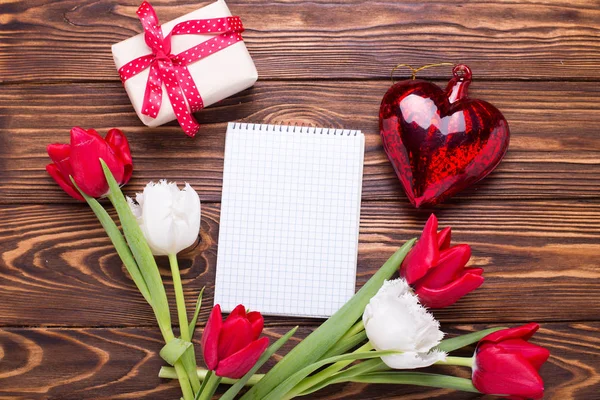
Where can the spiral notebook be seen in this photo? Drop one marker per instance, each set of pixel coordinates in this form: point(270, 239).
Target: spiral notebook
point(290, 213)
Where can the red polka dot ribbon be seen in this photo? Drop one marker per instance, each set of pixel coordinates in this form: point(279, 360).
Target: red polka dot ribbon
point(171, 69)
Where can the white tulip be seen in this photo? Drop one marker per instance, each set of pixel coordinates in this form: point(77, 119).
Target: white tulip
point(395, 320)
point(168, 217)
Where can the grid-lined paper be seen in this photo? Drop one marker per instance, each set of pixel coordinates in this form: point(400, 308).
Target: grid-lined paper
point(290, 213)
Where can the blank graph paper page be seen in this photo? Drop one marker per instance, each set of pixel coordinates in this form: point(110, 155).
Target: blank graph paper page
point(290, 214)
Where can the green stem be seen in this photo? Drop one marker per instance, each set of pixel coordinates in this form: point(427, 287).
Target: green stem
point(186, 388)
point(188, 359)
point(169, 373)
point(418, 379)
point(460, 361)
point(458, 342)
point(180, 371)
point(287, 385)
point(345, 345)
point(356, 328)
point(179, 299)
point(315, 379)
point(355, 335)
point(210, 387)
point(207, 376)
point(359, 369)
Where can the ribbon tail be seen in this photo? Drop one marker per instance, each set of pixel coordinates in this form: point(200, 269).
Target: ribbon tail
point(153, 93)
point(178, 100)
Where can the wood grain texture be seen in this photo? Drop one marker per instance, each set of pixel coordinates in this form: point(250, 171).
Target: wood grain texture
point(540, 261)
point(72, 324)
point(122, 363)
point(554, 151)
point(70, 39)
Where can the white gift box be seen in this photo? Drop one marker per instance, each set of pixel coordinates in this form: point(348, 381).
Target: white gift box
point(218, 76)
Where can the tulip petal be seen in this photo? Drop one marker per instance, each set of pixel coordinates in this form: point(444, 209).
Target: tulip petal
point(236, 334)
point(68, 187)
point(474, 271)
point(412, 360)
point(496, 372)
point(136, 209)
point(186, 210)
point(158, 218)
point(210, 338)
point(444, 237)
point(60, 154)
point(395, 320)
point(536, 355)
point(87, 147)
point(119, 144)
point(236, 365)
point(448, 268)
point(449, 294)
point(258, 322)
point(424, 255)
point(524, 332)
point(237, 312)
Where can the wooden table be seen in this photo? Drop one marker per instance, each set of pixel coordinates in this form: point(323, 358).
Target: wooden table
point(73, 326)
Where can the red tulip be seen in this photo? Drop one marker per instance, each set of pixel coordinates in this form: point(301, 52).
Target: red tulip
point(80, 160)
point(232, 347)
point(506, 364)
point(437, 271)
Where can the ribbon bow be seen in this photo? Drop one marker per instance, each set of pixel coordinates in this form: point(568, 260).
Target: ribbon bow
point(171, 69)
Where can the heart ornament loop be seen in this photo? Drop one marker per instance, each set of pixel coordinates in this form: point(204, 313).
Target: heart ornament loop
point(440, 141)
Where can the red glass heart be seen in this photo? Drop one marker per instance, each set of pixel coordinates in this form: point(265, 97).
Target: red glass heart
point(440, 142)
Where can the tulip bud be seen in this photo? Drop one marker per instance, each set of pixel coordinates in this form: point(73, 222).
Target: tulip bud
point(168, 217)
point(80, 160)
point(232, 347)
point(438, 272)
point(507, 364)
point(394, 320)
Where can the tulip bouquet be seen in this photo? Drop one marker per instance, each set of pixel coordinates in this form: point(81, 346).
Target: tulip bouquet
point(380, 335)
point(162, 221)
point(385, 331)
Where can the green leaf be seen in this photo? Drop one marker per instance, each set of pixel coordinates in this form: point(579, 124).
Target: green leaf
point(459, 342)
point(279, 392)
point(197, 396)
point(346, 344)
point(204, 382)
point(212, 383)
point(343, 376)
point(172, 351)
point(235, 389)
point(141, 252)
point(118, 242)
point(418, 379)
point(169, 373)
point(324, 373)
point(324, 337)
point(196, 312)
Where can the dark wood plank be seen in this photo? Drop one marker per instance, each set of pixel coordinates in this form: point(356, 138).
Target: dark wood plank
point(70, 39)
point(554, 152)
point(95, 363)
point(540, 260)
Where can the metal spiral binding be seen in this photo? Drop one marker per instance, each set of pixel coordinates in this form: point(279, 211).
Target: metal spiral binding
point(293, 128)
